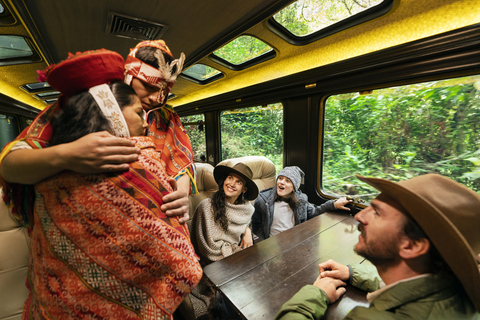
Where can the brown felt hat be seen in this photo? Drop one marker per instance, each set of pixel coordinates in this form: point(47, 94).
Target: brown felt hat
point(221, 172)
point(449, 213)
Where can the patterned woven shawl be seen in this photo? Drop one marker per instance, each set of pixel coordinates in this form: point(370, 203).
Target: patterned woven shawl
point(165, 129)
point(102, 249)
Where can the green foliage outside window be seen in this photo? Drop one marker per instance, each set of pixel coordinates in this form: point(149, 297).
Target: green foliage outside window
point(255, 131)
point(194, 125)
point(201, 72)
point(401, 132)
point(242, 49)
point(305, 17)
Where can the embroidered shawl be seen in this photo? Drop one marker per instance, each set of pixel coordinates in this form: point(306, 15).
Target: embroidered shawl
point(211, 242)
point(101, 248)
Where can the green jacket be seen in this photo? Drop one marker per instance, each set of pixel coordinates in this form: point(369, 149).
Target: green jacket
point(433, 297)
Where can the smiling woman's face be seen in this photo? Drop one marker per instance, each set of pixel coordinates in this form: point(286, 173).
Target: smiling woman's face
point(233, 187)
point(284, 186)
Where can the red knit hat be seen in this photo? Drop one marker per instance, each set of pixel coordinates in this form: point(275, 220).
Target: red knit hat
point(81, 71)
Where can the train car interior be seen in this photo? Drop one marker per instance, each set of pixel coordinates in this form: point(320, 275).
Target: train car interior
point(274, 81)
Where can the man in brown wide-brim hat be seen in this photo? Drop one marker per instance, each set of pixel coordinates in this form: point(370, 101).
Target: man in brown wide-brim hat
point(423, 236)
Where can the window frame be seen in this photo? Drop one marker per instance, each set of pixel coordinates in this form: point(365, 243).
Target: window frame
point(206, 81)
point(33, 58)
point(247, 64)
point(337, 27)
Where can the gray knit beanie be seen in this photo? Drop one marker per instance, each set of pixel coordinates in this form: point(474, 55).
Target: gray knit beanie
point(294, 173)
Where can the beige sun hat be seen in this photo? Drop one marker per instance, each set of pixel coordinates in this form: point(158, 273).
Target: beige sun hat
point(449, 213)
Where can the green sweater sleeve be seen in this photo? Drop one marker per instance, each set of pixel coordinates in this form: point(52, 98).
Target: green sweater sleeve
point(308, 303)
point(365, 277)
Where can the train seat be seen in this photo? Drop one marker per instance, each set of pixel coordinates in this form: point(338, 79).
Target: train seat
point(206, 186)
point(14, 253)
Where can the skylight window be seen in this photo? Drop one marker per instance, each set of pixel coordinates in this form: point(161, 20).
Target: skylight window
point(202, 74)
point(14, 47)
point(242, 50)
point(36, 87)
point(305, 17)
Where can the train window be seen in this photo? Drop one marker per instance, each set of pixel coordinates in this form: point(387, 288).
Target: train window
point(8, 129)
point(243, 52)
point(36, 87)
point(14, 47)
point(305, 17)
point(242, 49)
point(6, 19)
point(253, 131)
point(195, 127)
point(201, 74)
point(400, 132)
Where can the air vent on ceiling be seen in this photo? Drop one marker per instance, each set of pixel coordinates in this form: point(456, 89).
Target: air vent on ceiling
point(130, 27)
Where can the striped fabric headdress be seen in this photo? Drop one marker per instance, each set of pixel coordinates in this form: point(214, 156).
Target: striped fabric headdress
point(163, 78)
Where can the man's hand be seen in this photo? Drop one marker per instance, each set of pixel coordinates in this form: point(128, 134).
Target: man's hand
point(334, 270)
point(247, 240)
point(176, 202)
point(99, 152)
point(334, 288)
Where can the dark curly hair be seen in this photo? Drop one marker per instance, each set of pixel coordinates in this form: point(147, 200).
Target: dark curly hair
point(218, 205)
point(81, 114)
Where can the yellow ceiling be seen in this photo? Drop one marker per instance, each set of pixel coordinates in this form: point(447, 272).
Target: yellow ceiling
point(407, 21)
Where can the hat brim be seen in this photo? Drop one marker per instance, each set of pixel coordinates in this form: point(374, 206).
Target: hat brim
point(450, 243)
point(221, 172)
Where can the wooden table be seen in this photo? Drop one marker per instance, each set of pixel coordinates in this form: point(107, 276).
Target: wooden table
point(259, 279)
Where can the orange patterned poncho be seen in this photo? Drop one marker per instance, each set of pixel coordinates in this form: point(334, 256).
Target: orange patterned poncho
point(102, 249)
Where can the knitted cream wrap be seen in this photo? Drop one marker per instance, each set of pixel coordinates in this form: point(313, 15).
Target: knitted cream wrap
point(211, 242)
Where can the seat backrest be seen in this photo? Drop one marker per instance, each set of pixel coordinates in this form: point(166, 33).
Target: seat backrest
point(14, 253)
point(264, 171)
point(206, 186)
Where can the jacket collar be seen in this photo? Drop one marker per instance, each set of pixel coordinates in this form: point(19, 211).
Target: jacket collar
point(407, 291)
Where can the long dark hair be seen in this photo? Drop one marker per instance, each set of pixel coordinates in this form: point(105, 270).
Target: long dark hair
point(290, 199)
point(147, 55)
point(81, 114)
point(218, 205)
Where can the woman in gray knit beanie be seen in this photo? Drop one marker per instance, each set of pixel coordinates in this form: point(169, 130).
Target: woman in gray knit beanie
point(284, 206)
